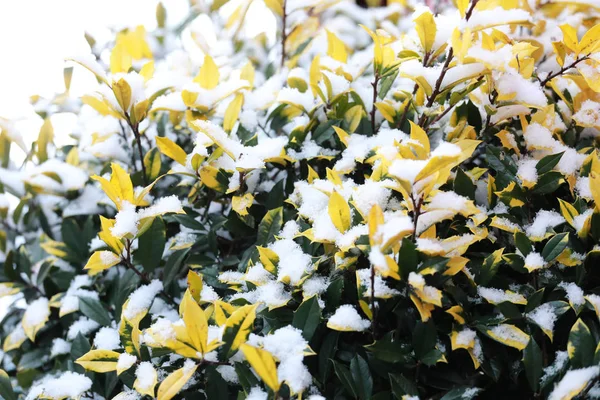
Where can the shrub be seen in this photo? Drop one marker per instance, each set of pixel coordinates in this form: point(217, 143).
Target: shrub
point(405, 209)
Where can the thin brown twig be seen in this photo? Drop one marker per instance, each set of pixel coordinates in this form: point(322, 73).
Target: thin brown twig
point(138, 139)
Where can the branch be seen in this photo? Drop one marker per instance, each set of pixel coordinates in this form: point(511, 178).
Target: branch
point(373, 109)
point(138, 139)
point(283, 34)
point(562, 71)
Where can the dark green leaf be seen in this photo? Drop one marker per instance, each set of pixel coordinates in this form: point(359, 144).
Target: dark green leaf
point(548, 182)
point(555, 246)
point(6, 390)
point(151, 245)
point(94, 310)
point(344, 375)
point(361, 375)
point(547, 163)
point(307, 317)
point(533, 360)
point(269, 226)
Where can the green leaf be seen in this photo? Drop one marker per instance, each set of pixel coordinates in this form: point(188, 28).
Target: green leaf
point(424, 338)
point(581, 345)
point(269, 226)
point(548, 182)
point(461, 393)
point(523, 243)
point(173, 265)
point(326, 353)
point(547, 163)
point(534, 363)
point(151, 245)
point(6, 390)
point(344, 375)
point(390, 351)
point(307, 317)
point(362, 377)
point(216, 387)
point(409, 258)
point(555, 246)
point(401, 386)
point(463, 184)
point(94, 310)
point(503, 164)
point(247, 379)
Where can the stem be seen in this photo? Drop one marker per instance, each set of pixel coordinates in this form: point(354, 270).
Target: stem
point(283, 33)
point(373, 109)
point(562, 71)
point(373, 310)
point(138, 139)
point(126, 261)
point(417, 212)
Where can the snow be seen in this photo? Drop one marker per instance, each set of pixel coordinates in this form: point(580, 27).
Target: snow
point(293, 262)
point(59, 347)
point(580, 220)
point(538, 137)
point(560, 361)
point(497, 16)
point(497, 296)
point(582, 187)
point(69, 384)
point(294, 97)
point(107, 339)
point(126, 221)
point(346, 317)
point(382, 290)
point(315, 285)
point(37, 312)
point(527, 171)
point(257, 393)
point(574, 293)
point(544, 219)
point(83, 325)
point(522, 90)
point(507, 333)
point(125, 362)
point(145, 375)
point(574, 382)
point(448, 201)
point(168, 204)
point(544, 317)
point(141, 299)
point(534, 261)
point(588, 114)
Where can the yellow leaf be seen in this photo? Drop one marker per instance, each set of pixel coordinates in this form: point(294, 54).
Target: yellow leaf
point(195, 323)
point(107, 237)
point(462, 7)
point(44, 138)
point(171, 150)
point(122, 92)
point(418, 134)
point(209, 177)
point(456, 312)
point(339, 212)
point(509, 335)
point(194, 282)
point(14, 340)
point(276, 6)
point(426, 29)
point(147, 70)
point(590, 42)
point(268, 258)
point(222, 311)
point(99, 360)
point(208, 78)
point(35, 317)
point(568, 212)
point(232, 112)
point(595, 188)
point(121, 182)
point(312, 174)
point(247, 73)
point(263, 364)
point(333, 177)
point(239, 326)
point(375, 221)
point(240, 204)
point(342, 134)
point(101, 260)
point(174, 382)
point(336, 49)
point(147, 390)
point(569, 36)
point(58, 249)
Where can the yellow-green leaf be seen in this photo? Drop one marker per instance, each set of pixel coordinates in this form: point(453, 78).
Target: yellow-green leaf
point(195, 323)
point(208, 77)
point(238, 327)
point(240, 204)
point(336, 49)
point(268, 258)
point(509, 335)
point(263, 363)
point(339, 212)
point(426, 29)
point(44, 138)
point(171, 150)
point(174, 382)
point(101, 260)
point(195, 284)
point(99, 360)
point(232, 112)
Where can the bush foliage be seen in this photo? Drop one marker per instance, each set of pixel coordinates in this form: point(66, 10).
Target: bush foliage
point(396, 202)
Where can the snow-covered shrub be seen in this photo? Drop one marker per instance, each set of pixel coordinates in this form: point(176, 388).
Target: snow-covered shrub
point(393, 202)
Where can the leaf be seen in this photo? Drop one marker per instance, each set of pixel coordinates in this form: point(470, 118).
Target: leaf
point(344, 375)
point(509, 335)
point(6, 390)
point(99, 360)
point(41, 312)
point(232, 112)
point(152, 163)
point(237, 328)
point(174, 382)
point(45, 137)
point(336, 49)
point(173, 265)
point(151, 245)
point(424, 338)
point(94, 310)
point(195, 323)
point(171, 150)
point(490, 266)
point(402, 386)
point(595, 188)
point(523, 244)
point(581, 345)
point(147, 390)
point(427, 30)
point(548, 182)
point(547, 163)
point(208, 77)
point(269, 226)
point(339, 212)
point(263, 364)
point(307, 317)
point(362, 377)
point(534, 363)
point(555, 246)
point(460, 393)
